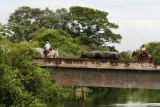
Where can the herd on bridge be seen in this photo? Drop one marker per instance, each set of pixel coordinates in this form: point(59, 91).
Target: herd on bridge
point(108, 72)
point(96, 55)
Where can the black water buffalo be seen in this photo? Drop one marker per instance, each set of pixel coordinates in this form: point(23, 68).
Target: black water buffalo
point(101, 55)
point(91, 55)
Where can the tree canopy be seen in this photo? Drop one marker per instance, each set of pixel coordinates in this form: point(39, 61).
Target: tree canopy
point(88, 26)
point(92, 26)
point(154, 49)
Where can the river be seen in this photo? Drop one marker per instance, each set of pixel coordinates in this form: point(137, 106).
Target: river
point(101, 97)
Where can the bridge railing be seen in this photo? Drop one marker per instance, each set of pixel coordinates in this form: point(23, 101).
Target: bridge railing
point(98, 64)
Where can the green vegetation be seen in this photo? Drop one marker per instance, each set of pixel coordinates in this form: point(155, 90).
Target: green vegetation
point(126, 56)
point(23, 82)
point(154, 49)
point(85, 26)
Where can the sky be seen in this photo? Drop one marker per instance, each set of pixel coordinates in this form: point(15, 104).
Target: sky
point(138, 20)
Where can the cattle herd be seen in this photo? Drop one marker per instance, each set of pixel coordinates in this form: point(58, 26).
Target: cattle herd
point(101, 55)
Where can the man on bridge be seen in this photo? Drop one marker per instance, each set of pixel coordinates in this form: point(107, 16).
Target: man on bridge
point(143, 51)
point(47, 48)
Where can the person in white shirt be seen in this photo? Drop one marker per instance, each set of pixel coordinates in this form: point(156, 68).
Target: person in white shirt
point(143, 48)
point(143, 51)
point(47, 45)
point(47, 48)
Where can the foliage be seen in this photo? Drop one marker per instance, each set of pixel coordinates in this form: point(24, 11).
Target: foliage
point(81, 29)
point(154, 49)
point(82, 92)
point(12, 91)
point(89, 26)
point(1, 27)
point(23, 82)
point(26, 84)
point(92, 26)
point(26, 20)
point(126, 56)
point(59, 40)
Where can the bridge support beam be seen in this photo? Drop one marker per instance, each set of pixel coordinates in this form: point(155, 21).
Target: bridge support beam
point(114, 78)
point(104, 73)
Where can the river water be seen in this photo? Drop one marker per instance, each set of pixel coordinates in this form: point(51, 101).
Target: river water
point(115, 98)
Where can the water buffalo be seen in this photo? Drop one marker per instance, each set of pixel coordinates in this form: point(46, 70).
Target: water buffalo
point(91, 55)
point(101, 55)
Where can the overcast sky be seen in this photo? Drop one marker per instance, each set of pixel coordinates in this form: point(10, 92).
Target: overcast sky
point(138, 20)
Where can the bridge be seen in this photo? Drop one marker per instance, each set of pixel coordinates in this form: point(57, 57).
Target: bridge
point(104, 73)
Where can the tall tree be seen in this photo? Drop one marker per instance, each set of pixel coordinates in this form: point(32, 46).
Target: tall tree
point(92, 26)
point(26, 20)
point(54, 20)
point(88, 26)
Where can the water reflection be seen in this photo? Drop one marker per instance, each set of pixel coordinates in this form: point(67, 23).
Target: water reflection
point(137, 104)
point(78, 104)
point(84, 104)
point(116, 98)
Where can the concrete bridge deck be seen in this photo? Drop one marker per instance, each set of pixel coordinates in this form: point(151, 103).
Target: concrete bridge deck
point(104, 73)
point(98, 64)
